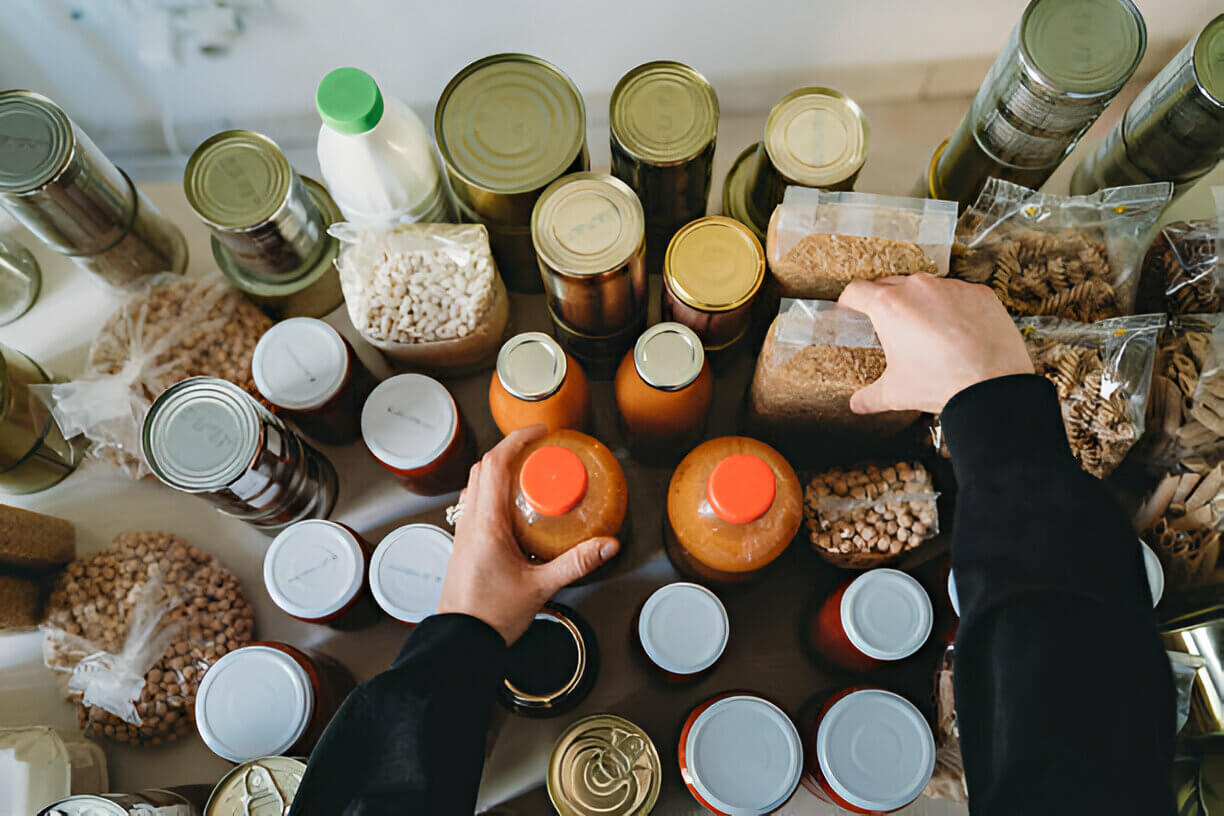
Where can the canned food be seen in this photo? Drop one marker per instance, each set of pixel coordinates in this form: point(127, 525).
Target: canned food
point(414, 428)
point(683, 630)
point(553, 666)
point(881, 616)
point(407, 571)
point(512, 250)
point(604, 765)
point(537, 383)
point(260, 787)
point(20, 280)
point(183, 800)
point(600, 355)
point(316, 570)
point(209, 437)
point(736, 197)
point(35, 455)
point(715, 266)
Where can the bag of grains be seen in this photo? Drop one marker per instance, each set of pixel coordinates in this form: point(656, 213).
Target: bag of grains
point(1102, 372)
point(135, 627)
point(426, 295)
point(821, 240)
point(1068, 256)
point(169, 329)
point(1183, 270)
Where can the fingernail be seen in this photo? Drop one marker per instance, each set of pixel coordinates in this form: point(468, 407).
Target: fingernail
point(608, 549)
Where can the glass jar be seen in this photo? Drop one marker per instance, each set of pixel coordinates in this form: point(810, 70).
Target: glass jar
point(316, 570)
point(664, 390)
point(415, 429)
point(209, 437)
point(882, 616)
point(20, 280)
point(604, 765)
point(733, 506)
point(408, 569)
point(740, 754)
point(34, 454)
point(683, 631)
point(537, 383)
point(553, 666)
point(307, 369)
point(268, 784)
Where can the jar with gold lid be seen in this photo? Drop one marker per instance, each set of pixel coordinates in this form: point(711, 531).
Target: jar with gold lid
point(537, 383)
point(604, 765)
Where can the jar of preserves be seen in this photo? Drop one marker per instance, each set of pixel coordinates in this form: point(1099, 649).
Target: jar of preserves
point(315, 571)
point(553, 666)
point(537, 383)
point(845, 765)
point(306, 368)
point(407, 571)
point(740, 755)
point(604, 765)
point(414, 428)
point(664, 390)
point(269, 698)
point(34, 454)
point(683, 631)
point(569, 488)
point(882, 616)
point(733, 506)
point(265, 785)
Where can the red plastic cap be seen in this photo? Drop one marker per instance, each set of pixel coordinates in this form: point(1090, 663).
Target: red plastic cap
point(553, 480)
point(741, 488)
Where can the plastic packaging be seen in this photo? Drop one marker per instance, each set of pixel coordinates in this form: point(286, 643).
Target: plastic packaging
point(35, 452)
point(1183, 270)
point(1185, 415)
point(1180, 521)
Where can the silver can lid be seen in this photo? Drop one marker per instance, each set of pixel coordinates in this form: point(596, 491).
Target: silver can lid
point(201, 434)
point(84, 805)
point(531, 366)
point(668, 356)
point(36, 141)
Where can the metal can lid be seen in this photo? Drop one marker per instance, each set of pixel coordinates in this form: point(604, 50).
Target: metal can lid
point(1085, 47)
point(237, 179)
point(587, 223)
point(816, 137)
point(604, 765)
point(255, 701)
point(300, 363)
point(887, 614)
point(531, 366)
point(1209, 59)
point(409, 420)
point(875, 750)
point(664, 112)
point(36, 141)
point(201, 434)
point(668, 356)
point(85, 804)
point(714, 264)
point(313, 569)
point(684, 628)
point(407, 569)
point(510, 123)
point(265, 784)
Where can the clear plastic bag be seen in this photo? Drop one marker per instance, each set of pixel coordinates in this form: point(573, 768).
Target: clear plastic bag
point(1185, 417)
point(1183, 270)
point(1075, 257)
point(821, 240)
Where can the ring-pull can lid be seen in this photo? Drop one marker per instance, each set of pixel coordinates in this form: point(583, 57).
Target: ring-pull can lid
point(1088, 47)
point(886, 614)
point(300, 363)
point(553, 480)
point(313, 569)
point(36, 141)
point(531, 366)
point(668, 356)
point(237, 179)
point(407, 570)
point(684, 628)
point(816, 137)
point(714, 264)
point(409, 420)
point(604, 765)
point(261, 787)
point(587, 223)
point(741, 488)
point(663, 112)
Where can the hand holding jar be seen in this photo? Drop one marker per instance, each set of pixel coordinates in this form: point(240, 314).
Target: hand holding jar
point(489, 577)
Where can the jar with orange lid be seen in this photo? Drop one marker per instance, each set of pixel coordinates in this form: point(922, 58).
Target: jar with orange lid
point(537, 383)
point(569, 488)
point(733, 506)
point(664, 389)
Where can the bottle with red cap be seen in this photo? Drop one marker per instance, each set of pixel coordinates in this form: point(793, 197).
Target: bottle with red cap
point(876, 618)
point(733, 506)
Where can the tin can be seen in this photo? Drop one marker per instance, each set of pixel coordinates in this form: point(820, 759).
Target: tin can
point(1060, 67)
point(20, 280)
point(512, 250)
point(683, 630)
point(537, 383)
point(599, 355)
point(182, 800)
point(1200, 635)
point(604, 765)
point(882, 616)
point(407, 571)
point(316, 571)
point(553, 666)
point(260, 787)
point(35, 455)
point(1173, 131)
point(209, 437)
point(736, 196)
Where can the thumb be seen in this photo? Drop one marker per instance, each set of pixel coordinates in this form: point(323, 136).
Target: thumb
point(870, 399)
point(578, 563)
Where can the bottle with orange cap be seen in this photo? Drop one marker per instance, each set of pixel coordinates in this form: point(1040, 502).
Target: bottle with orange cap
point(733, 506)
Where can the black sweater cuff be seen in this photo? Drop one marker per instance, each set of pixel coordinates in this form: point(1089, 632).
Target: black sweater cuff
point(997, 421)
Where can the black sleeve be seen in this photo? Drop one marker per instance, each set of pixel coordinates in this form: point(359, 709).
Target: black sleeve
point(1064, 695)
point(411, 740)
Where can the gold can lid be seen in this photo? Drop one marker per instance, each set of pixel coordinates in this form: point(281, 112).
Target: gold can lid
point(1088, 47)
point(604, 765)
point(664, 112)
point(1209, 59)
point(668, 356)
point(265, 785)
point(816, 137)
point(714, 264)
point(587, 223)
point(510, 123)
point(531, 366)
point(237, 179)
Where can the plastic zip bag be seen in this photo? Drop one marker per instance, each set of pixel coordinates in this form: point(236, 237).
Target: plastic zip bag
point(1185, 417)
point(1183, 270)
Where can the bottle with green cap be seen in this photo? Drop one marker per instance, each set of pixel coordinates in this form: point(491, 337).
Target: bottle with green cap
point(376, 155)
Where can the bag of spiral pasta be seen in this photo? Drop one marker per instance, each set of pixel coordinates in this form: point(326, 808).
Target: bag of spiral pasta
point(1075, 257)
point(1183, 270)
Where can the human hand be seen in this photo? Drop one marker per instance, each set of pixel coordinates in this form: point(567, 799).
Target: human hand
point(940, 337)
point(489, 577)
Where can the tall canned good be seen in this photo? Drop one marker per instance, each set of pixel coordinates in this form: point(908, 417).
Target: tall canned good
point(34, 454)
point(261, 786)
point(183, 800)
point(56, 182)
point(1060, 67)
point(1173, 131)
point(507, 126)
point(604, 765)
point(209, 437)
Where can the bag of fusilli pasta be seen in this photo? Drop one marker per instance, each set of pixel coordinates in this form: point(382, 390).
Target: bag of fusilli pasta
point(1075, 257)
point(1183, 270)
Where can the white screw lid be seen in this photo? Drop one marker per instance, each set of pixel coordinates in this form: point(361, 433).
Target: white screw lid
point(313, 569)
point(683, 628)
point(887, 614)
point(407, 569)
point(409, 420)
point(300, 363)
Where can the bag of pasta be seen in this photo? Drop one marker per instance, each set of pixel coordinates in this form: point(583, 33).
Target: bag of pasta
point(1075, 257)
point(1185, 418)
point(1183, 270)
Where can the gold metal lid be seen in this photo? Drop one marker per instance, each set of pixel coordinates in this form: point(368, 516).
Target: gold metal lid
point(668, 356)
point(36, 141)
point(266, 785)
point(714, 264)
point(237, 179)
point(1209, 59)
point(604, 765)
point(1088, 47)
point(737, 191)
point(816, 137)
point(531, 366)
point(664, 112)
point(587, 223)
point(510, 123)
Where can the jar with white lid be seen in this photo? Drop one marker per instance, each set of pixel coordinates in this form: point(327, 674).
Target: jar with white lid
point(882, 616)
point(316, 570)
point(407, 571)
point(683, 631)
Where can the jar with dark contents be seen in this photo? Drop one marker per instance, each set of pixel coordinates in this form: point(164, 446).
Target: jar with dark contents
point(553, 666)
point(209, 437)
point(880, 617)
point(267, 699)
point(265, 785)
point(308, 370)
point(408, 569)
point(316, 571)
point(683, 629)
point(414, 428)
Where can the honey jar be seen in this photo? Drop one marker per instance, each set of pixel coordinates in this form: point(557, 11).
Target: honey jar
point(315, 571)
point(882, 616)
point(538, 383)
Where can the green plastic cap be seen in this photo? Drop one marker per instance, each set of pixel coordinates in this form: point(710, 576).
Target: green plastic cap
point(349, 101)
